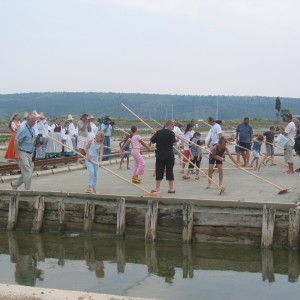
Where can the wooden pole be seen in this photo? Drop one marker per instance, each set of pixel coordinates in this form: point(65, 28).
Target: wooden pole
point(39, 215)
point(151, 221)
point(121, 255)
point(188, 217)
point(13, 212)
point(267, 265)
point(293, 231)
point(89, 216)
point(187, 262)
point(121, 218)
point(268, 224)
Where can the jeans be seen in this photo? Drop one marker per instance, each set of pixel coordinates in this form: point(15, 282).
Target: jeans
point(92, 173)
point(106, 151)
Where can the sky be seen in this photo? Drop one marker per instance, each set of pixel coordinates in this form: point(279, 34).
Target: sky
point(186, 47)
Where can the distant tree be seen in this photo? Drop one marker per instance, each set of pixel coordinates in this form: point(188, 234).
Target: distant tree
point(277, 107)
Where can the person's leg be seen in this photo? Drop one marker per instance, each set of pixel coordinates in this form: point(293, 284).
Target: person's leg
point(159, 170)
point(120, 166)
point(135, 164)
point(288, 156)
point(220, 170)
point(210, 172)
point(128, 168)
point(90, 169)
point(141, 164)
point(169, 165)
point(96, 170)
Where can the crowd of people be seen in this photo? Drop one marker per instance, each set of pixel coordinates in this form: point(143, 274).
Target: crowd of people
point(39, 138)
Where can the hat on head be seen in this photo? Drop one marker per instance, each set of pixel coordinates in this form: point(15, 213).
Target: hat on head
point(296, 121)
point(91, 117)
point(25, 115)
point(41, 114)
point(34, 112)
point(70, 118)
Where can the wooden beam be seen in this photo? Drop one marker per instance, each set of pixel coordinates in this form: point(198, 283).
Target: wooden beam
point(187, 261)
point(151, 221)
point(39, 215)
point(89, 215)
point(293, 266)
point(268, 224)
point(121, 218)
point(293, 232)
point(151, 257)
point(13, 212)
point(267, 265)
point(121, 255)
point(188, 217)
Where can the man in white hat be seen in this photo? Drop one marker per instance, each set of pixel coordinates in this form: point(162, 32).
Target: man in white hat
point(24, 118)
point(72, 131)
point(92, 128)
point(42, 131)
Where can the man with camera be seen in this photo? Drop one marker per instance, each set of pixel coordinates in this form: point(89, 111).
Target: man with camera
point(106, 127)
point(25, 144)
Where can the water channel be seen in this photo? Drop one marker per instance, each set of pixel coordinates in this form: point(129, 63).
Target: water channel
point(165, 269)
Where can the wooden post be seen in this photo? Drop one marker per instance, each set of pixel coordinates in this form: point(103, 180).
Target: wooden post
point(13, 212)
point(39, 214)
point(39, 248)
point(268, 224)
point(89, 215)
point(61, 214)
point(293, 233)
point(187, 213)
point(121, 218)
point(13, 247)
point(151, 221)
point(267, 265)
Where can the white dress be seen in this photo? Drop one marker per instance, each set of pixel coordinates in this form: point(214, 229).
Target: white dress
point(67, 140)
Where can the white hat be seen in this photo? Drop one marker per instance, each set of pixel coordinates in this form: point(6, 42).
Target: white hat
point(70, 118)
point(34, 112)
point(25, 115)
point(91, 117)
point(41, 114)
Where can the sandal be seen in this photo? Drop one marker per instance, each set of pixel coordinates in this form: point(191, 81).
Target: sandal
point(197, 178)
point(89, 191)
point(185, 177)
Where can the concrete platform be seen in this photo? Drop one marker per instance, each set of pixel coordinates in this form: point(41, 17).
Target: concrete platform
point(239, 186)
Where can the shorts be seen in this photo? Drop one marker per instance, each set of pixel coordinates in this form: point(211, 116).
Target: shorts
point(255, 154)
point(269, 149)
point(82, 142)
point(212, 161)
point(244, 145)
point(196, 162)
point(288, 154)
point(237, 149)
point(186, 156)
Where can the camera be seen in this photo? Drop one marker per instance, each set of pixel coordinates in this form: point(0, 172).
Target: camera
point(39, 140)
point(277, 128)
point(104, 120)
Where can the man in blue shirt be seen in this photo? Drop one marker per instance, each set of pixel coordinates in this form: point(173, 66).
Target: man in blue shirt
point(24, 149)
point(106, 128)
point(244, 135)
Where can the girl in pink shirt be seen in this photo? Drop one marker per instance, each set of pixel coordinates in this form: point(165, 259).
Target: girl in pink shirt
point(139, 163)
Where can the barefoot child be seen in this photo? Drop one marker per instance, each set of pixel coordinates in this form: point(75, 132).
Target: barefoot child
point(126, 153)
point(255, 153)
point(94, 152)
point(216, 157)
point(139, 163)
point(195, 154)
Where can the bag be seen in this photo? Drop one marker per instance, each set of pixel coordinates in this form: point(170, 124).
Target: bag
point(281, 140)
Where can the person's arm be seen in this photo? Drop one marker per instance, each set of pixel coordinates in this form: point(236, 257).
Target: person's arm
point(231, 157)
point(126, 144)
point(101, 155)
point(237, 135)
point(86, 150)
point(14, 126)
point(145, 145)
point(16, 148)
point(251, 135)
point(198, 150)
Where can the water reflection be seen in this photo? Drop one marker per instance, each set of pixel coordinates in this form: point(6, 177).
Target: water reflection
point(30, 256)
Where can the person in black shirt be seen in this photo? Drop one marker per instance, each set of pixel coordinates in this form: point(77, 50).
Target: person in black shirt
point(165, 140)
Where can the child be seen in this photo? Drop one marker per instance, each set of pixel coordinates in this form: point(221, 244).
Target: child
point(139, 163)
point(216, 157)
point(126, 154)
point(195, 154)
point(187, 136)
point(269, 146)
point(255, 153)
point(94, 153)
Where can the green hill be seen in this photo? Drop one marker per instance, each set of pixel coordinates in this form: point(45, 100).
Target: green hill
point(146, 105)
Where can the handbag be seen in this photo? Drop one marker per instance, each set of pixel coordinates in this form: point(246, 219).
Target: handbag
point(281, 140)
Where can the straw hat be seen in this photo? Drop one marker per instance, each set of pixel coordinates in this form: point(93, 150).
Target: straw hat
point(70, 118)
point(34, 112)
point(41, 114)
point(91, 117)
point(25, 115)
